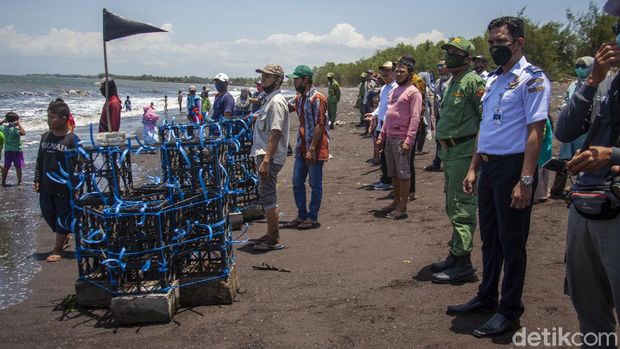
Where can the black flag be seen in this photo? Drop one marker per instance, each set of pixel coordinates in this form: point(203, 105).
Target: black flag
point(115, 27)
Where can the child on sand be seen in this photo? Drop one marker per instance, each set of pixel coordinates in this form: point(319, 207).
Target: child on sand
point(13, 132)
point(149, 129)
point(54, 197)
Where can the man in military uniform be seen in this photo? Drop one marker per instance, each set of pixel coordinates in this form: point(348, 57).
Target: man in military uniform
point(514, 114)
point(333, 97)
point(359, 104)
point(456, 132)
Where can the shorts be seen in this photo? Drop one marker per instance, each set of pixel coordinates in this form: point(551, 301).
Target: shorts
point(13, 157)
point(397, 162)
point(267, 186)
point(56, 211)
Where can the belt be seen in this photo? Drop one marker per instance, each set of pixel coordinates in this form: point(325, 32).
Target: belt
point(451, 142)
point(492, 157)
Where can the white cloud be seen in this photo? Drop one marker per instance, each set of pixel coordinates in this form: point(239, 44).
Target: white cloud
point(159, 54)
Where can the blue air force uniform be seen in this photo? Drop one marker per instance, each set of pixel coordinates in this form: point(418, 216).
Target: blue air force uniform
point(512, 101)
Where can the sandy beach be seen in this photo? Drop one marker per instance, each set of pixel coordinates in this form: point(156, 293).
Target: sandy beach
point(356, 282)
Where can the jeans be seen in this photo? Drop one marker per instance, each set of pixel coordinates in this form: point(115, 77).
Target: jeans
point(300, 171)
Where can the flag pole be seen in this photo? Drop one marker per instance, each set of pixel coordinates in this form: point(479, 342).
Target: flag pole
point(107, 93)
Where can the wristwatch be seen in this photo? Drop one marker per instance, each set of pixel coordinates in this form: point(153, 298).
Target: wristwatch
point(527, 181)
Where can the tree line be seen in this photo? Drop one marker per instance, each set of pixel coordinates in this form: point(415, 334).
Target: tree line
point(552, 46)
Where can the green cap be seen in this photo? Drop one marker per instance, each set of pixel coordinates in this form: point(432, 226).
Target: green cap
point(330, 75)
point(461, 44)
point(363, 75)
point(301, 71)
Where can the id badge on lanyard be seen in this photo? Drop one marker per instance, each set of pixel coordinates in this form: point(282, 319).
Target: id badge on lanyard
point(497, 113)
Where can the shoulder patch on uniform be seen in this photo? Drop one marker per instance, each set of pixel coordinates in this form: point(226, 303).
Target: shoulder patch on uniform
point(534, 69)
point(535, 89)
point(533, 81)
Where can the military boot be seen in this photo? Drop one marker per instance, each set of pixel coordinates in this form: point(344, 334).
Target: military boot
point(462, 271)
point(443, 265)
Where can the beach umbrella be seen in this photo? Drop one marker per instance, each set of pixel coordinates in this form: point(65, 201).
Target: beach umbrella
point(115, 27)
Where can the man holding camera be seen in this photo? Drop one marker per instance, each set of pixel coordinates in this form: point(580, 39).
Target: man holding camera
point(592, 259)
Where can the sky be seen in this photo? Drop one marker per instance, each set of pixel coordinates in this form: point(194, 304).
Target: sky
point(236, 37)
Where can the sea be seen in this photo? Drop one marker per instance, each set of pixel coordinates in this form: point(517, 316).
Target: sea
point(29, 96)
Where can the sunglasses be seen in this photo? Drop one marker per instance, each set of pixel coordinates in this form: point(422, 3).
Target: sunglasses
point(580, 66)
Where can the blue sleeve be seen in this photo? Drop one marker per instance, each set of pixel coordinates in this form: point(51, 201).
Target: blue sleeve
point(229, 104)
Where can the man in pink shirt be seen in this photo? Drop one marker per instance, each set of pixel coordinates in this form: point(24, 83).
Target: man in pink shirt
point(398, 133)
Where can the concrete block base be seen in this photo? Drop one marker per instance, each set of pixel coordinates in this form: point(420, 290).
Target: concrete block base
point(91, 296)
point(145, 308)
point(236, 220)
point(220, 291)
point(253, 212)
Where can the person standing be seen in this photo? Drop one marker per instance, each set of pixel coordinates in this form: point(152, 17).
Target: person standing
point(127, 104)
point(583, 68)
point(270, 140)
point(480, 66)
point(398, 132)
point(456, 132)
point(514, 112)
point(180, 100)
point(194, 106)
point(258, 97)
point(359, 104)
point(312, 150)
point(206, 103)
point(440, 87)
point(115, 106)
point(387, 73)
point(333, 97)
point(166, 105)
point(54, 197)
point(13, 132)
point(592, 258)
point(224, 103)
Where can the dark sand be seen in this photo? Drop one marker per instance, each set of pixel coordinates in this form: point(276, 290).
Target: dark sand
point(358, 281)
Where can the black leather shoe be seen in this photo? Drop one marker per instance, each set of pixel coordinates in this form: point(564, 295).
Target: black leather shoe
point(473, 306)
point(496, 325)
point(443, 265)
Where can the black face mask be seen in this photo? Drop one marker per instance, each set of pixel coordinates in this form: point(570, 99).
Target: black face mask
point(501, 54)
point(220, 86)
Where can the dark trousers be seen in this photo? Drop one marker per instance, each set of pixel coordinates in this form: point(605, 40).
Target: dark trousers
point(412, 169)
point(437, 160)
point(384, 175)
point(504, 233)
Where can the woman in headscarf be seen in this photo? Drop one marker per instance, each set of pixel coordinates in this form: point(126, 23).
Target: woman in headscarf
point(242, 104)
point(583, 68)
point(149, 129)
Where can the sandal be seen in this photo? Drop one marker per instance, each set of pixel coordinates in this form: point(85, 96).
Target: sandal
point(397, 215)
point(67, 243)
point(267, 246)
point(291, 224)
point(385, 210)
point(53, 258)
point(308, 225)
point(258, 240)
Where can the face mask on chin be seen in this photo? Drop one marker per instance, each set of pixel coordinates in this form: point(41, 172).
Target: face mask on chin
point(301, 88)
point(404, 81)
point(271, 87)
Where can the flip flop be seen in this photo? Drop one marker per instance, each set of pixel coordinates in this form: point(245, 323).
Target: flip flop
point(53, 258)
point(308, 225)
point(291, 224)
point(267, 246)
point(397, 215)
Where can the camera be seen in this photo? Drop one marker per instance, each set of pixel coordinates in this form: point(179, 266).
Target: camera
point(555, 165)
